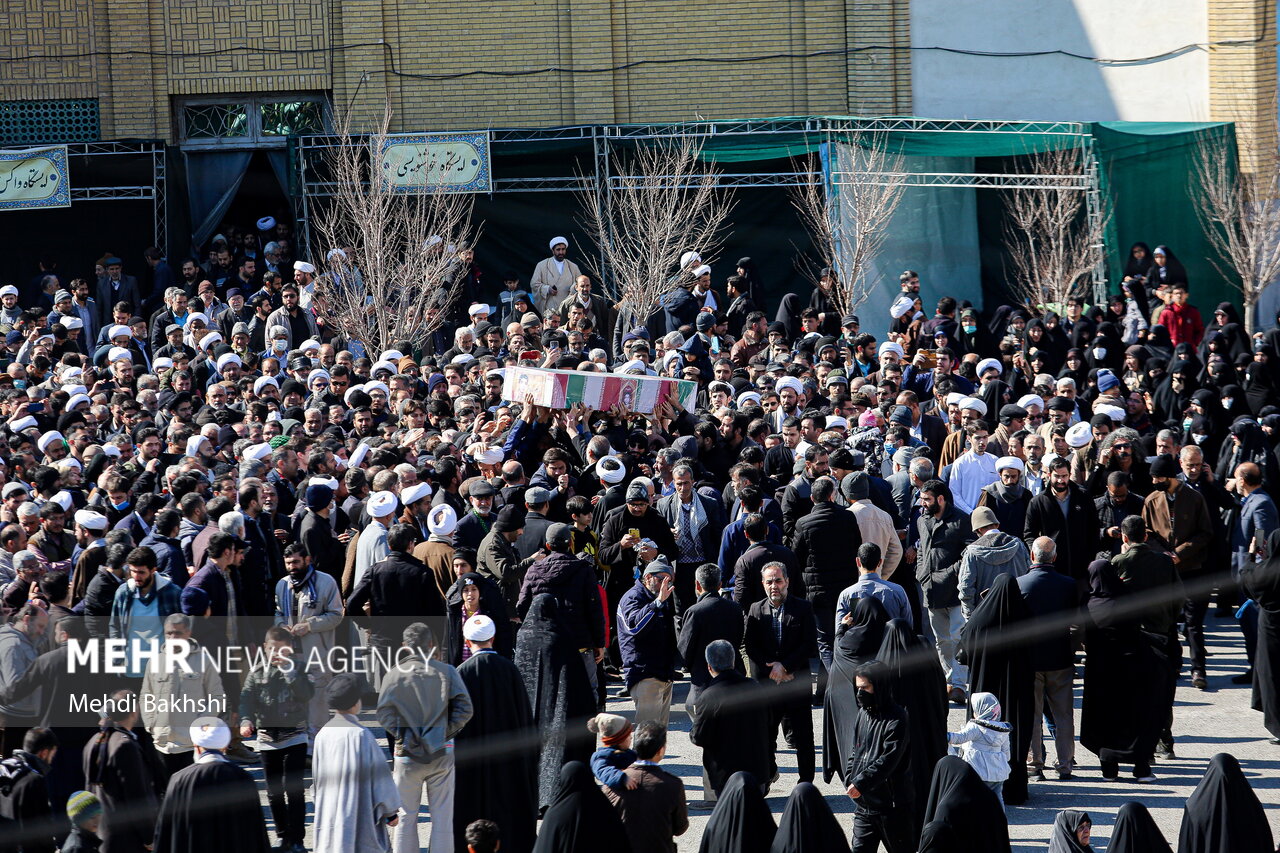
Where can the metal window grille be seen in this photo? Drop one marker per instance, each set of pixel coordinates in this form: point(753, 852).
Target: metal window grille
point(49, 122)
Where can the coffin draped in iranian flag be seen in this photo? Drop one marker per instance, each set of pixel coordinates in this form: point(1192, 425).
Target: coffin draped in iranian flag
point(560, 389)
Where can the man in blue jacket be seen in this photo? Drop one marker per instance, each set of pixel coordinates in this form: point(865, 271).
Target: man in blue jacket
point(647, 641)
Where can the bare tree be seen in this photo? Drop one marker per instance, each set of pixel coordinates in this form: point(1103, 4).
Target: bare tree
point(1240, 212)
point(849, 226)
point(641, 223)
point(1053, 244)
point(393, 259)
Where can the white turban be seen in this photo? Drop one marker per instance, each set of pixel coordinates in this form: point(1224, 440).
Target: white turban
point(118, 331)
point(63, 499)
point(975, 404)
point(72, 322)
point(442, 520)
point(610, 470)
point(901, 306)
point(303, 266)
point(358, 455)
point(263, 381)
point(119, 353)
point(77, 399)
point(22, 423)
point(193, 444)
point(1030, 400)
point(699, 272)
point(381, 504)
point(384, 365)
point(1010, 462)
point(391, 355)
point(228, 358)
point(1079, 435)
point(1114, 412)
point(555, 241)
point(90, 520)
point(48, 438)
point(479, 629)
point(748, 398)
point(478, 308)
point(489, 456)
point(789, 382)
point(210, 733)
point(891, 346)
point(257, 451)
point(989, 364)
point(415, 493)
point(690, 258)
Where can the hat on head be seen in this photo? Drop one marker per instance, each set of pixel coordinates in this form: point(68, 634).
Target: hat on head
point(381, 504)
point(690, 257)
point(850, 320)
point(416, 492)
point(90, 520)
point(442, 520)
point(510, 518)
point(266, 223)
point(975, 404)
point(1107, 380)
point(536, 496)
point(72, 322)
point(1010, 462)
point(13, 488)
point(658, 567)
point(303, 266)
point(901, 415)
point(901, 306)
point(748, 398)
point(1012, 412)
point(705, 321)
point(481, 489)
point(1061, 404)
point(837, 422)
point(891, 347)
point(1079, 435)
point(558, 537)
point(9, 290)
point(789, 382)
point(983, 516)
point(902, 456)
point(83, 807)
point(555, 241)
point(610, 470)
point(989, 364)
point(637, 491)
point(1114, 413)
point(1030, 400)
point(613, 729)
point(1164, 466)
point(342, 692)
point(856, 486)
point(210, 733)
point(49, 438)
point(479, 629)
point(318, 496)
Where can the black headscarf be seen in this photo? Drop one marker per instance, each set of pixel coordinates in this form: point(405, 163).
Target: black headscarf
point(1135, 831)
point(1223, 813)
point(1079, 374)
point(1158, 341)
point(1003, 668)
point(1105, 590)
point(1259, 387)
point(491, 605)
point(807, 824)
point(741, 822)
point(1175, 272)
point(959, 798)
point(1062, 838)
point(580, 816)
point(1138, 266)
point(939, 837)
point(919, 686)
point(855, 645)
point(559, 691)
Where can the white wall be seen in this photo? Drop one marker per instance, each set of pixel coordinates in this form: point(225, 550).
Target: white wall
point(1055, 87)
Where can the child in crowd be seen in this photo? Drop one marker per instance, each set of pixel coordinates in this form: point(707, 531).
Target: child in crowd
point(616, 755)
point(85, 812)
point(984, 742)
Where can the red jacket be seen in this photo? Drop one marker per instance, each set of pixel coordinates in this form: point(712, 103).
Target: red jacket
point(1184, 324)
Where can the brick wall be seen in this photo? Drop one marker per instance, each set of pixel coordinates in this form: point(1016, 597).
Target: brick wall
point(1242, 77)
point(434, 37)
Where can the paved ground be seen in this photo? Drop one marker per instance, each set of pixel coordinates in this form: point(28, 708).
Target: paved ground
point(1205, 723)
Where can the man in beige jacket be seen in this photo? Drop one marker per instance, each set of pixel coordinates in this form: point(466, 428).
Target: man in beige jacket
point(172, 698)
point(875, 524)
point(553, 277)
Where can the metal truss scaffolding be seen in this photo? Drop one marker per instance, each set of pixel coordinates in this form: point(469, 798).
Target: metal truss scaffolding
point(600, 145)
point(153, 191)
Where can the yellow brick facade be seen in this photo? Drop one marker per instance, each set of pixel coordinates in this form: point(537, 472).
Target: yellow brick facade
point(147, 53)
point(1242, 76)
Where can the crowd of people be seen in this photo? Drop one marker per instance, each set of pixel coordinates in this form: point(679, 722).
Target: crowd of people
point(952, 507)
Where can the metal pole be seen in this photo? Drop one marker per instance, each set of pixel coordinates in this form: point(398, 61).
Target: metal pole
point(159, 200)
point(302, 210)
point(1096, 219)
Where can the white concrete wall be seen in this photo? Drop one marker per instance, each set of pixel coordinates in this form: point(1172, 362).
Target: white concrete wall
point(1055, 87)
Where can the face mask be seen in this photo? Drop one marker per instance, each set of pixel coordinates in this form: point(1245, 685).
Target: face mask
point(20, 384)
point(1099, 353)
point(969, 330)
point(120, 507)
point(1198, 439)
point(866, 700)
point(1227, 401)
point(278, 346)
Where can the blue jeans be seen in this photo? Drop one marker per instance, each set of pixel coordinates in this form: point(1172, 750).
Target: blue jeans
point(998, 787)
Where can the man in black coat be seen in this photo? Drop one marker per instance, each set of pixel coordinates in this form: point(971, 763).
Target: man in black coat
point(944, 533)
point(877, 773)
point(697, 522)
point(28, 820)
point(400, 590)
point(797, 499)
point(1075, 531)
point(315, 532)
point(732, 723)
point(823, 542)
point(626, 527)
point(536, 500)
point(747, 588)
point(712, 618)
point(779, 640)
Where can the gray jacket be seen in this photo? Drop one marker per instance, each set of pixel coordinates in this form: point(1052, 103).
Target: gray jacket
point(942, 542)
point(422, 706)
point(992, 554)
point(17, 653)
